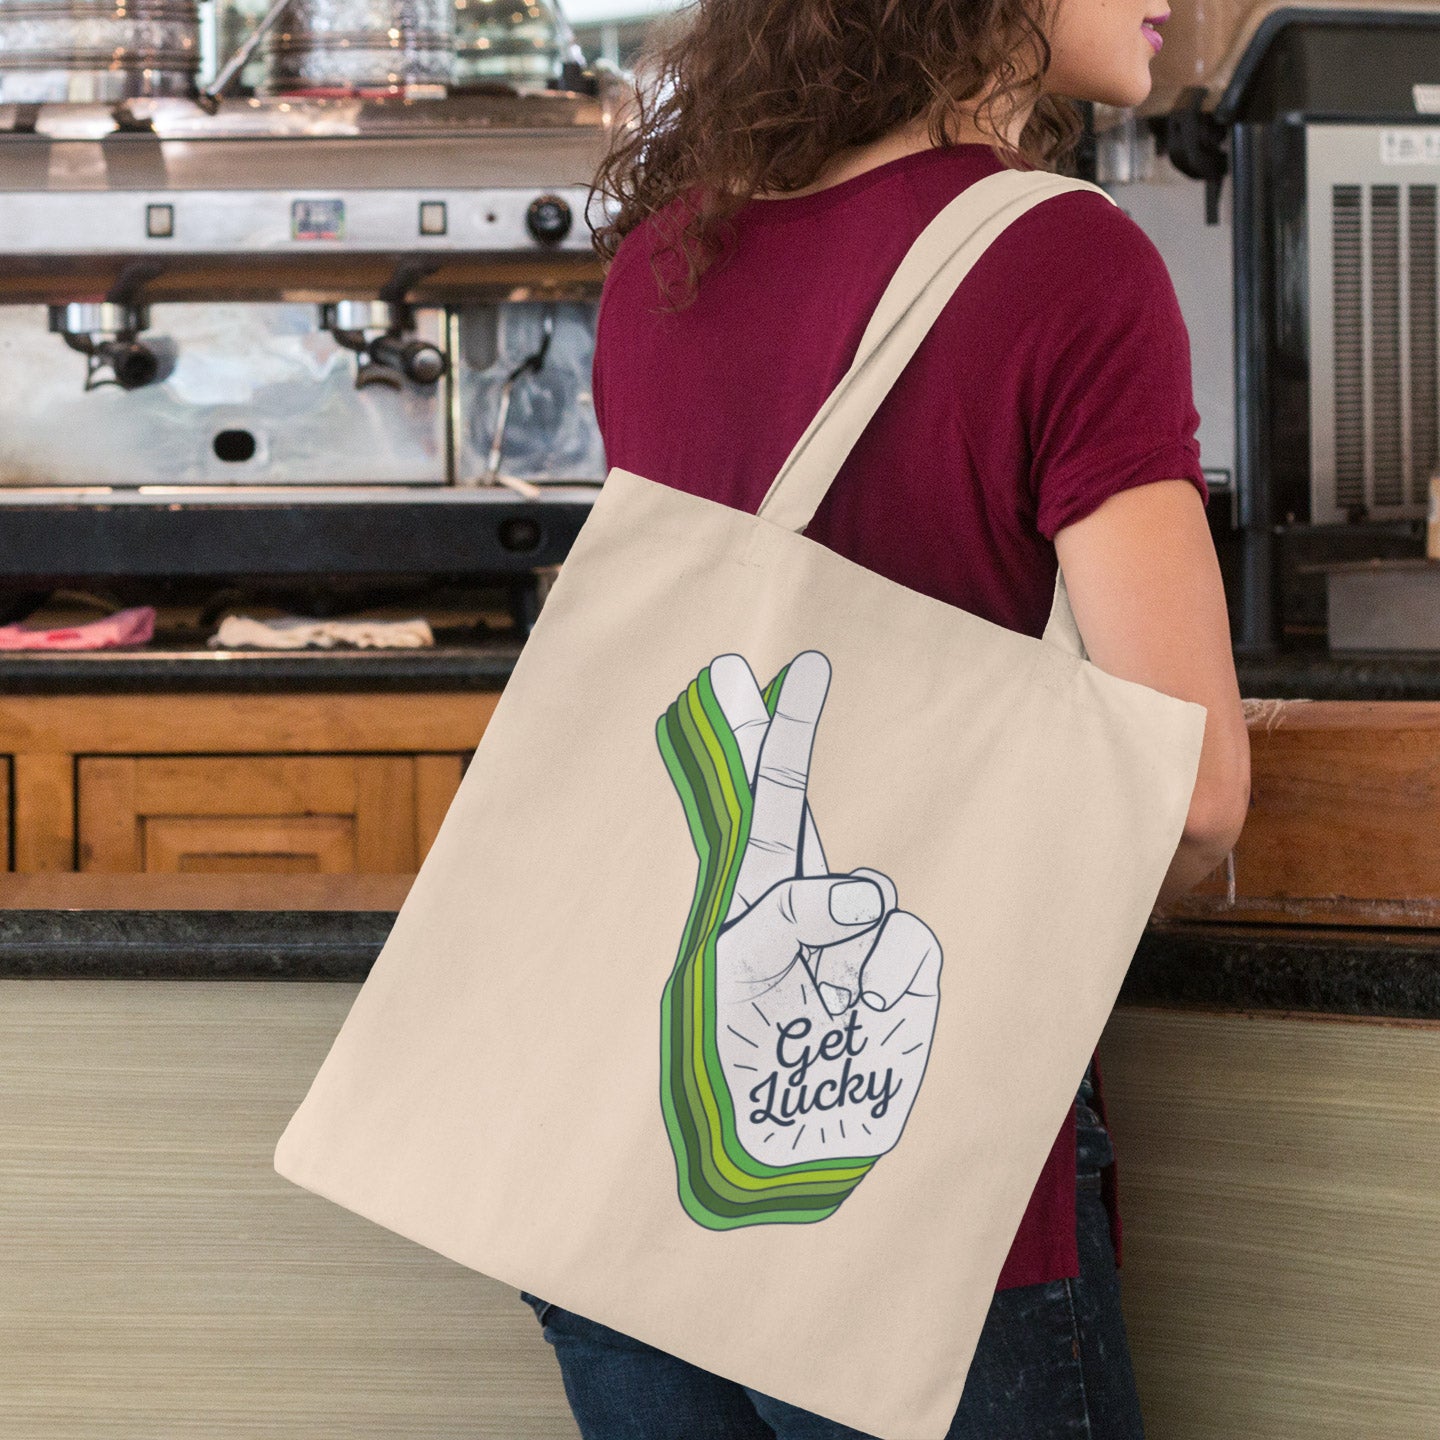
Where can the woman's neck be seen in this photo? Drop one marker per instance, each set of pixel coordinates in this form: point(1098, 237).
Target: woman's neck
point(904, 140)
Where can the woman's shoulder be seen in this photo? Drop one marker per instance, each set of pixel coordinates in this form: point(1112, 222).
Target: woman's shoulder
point(654, 240)
point(1069, 252)
point(1066, 261)
point(1079, 226)
point(1075, 274)
point(1081, 245)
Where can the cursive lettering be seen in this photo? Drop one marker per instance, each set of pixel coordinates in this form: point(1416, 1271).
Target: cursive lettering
point(801, 1093)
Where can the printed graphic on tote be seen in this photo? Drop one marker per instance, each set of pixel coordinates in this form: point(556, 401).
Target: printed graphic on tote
point(796, 1024)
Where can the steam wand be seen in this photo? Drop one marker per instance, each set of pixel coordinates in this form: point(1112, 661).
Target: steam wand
point(530, 364)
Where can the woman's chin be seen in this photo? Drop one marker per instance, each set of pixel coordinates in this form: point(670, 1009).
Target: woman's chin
point(1123, 92)
point(1122, 95)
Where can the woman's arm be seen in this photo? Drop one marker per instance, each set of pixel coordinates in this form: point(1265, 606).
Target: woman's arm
point(1144, 583)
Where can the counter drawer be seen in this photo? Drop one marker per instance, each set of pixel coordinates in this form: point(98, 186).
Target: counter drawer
point(287, 814)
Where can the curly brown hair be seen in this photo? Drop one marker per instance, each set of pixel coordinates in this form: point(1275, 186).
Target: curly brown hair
point(757, 95)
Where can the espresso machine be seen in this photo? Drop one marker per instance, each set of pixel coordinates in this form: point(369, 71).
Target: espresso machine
point(339, 319)
point(1287, 164)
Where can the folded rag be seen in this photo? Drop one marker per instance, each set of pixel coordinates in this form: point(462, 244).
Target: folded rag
point(125, 627)
point(293, 632)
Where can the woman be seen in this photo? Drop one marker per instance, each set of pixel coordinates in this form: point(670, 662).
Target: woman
point(788, 158)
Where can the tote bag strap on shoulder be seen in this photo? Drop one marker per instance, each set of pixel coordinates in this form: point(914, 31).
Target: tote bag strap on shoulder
point(928, 275)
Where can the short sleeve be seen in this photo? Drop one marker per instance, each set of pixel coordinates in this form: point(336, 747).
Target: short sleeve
point(1109, 398)
point(597, 357)
point(597, 391)
point(616, 276)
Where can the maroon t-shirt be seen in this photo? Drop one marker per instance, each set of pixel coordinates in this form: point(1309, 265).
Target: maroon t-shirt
point(1057, 374)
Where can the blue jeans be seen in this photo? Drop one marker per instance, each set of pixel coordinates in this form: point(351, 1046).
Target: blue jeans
point(1053, 1359)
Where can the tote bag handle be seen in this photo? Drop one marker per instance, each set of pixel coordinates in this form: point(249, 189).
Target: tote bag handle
point(928, 275)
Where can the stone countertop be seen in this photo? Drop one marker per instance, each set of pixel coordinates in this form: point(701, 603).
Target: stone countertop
point(184, 944)
point(1341, 675)
point(486, 665)
point(142, 669)
point(1318, 969)
point(1393, 974)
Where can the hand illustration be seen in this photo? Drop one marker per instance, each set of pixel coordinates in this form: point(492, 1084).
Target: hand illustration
point(796, 1023)
point(826, 992)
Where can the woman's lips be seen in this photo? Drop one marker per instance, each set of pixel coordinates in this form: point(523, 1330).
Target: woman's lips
point(1151, 31)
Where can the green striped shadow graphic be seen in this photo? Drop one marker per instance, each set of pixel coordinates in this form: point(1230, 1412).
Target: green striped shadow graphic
point(720, 1185)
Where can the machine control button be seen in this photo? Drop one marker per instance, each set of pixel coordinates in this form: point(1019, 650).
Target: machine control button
point(548, 219)
point(433, 217)
point(160, 222)
point(317, 219)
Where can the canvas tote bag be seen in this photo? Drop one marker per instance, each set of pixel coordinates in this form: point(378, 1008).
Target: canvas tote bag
point(759, 957)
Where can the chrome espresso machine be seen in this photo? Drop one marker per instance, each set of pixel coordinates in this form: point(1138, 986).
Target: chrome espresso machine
point(323, 304)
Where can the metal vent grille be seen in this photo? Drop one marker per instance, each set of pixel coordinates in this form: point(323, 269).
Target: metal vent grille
point(1384, 409)
point(1349, 347)
point(1424, 387)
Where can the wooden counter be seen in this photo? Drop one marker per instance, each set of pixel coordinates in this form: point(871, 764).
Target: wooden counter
point(1272, 1075)
point(1344, 798)
point(340, 782)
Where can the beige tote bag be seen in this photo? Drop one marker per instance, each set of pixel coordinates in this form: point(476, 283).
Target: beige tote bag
point(761, 953)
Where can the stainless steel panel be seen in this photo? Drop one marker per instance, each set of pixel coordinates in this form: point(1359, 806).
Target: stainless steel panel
point(521, 113)
point(265, 222)
point(1373, 291)
point(1384, 605)
point(524, 164)
point(550, 427)
point(263, 371)
point(287, 496)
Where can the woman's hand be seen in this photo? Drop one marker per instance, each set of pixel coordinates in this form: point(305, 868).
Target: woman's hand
point(1144, 584)
point(826, 992)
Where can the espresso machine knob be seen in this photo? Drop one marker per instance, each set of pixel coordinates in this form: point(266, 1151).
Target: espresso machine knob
point(548, 219)
point(424, 363)
point(134, 365)
point(419, 361)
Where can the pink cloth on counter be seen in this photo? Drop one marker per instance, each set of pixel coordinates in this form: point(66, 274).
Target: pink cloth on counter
point(125, 627)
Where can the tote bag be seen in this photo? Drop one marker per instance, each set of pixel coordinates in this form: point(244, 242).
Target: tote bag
point(761, 952)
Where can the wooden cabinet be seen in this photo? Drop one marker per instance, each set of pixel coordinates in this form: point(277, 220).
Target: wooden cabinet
point(311, 783)
point(287, 814)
